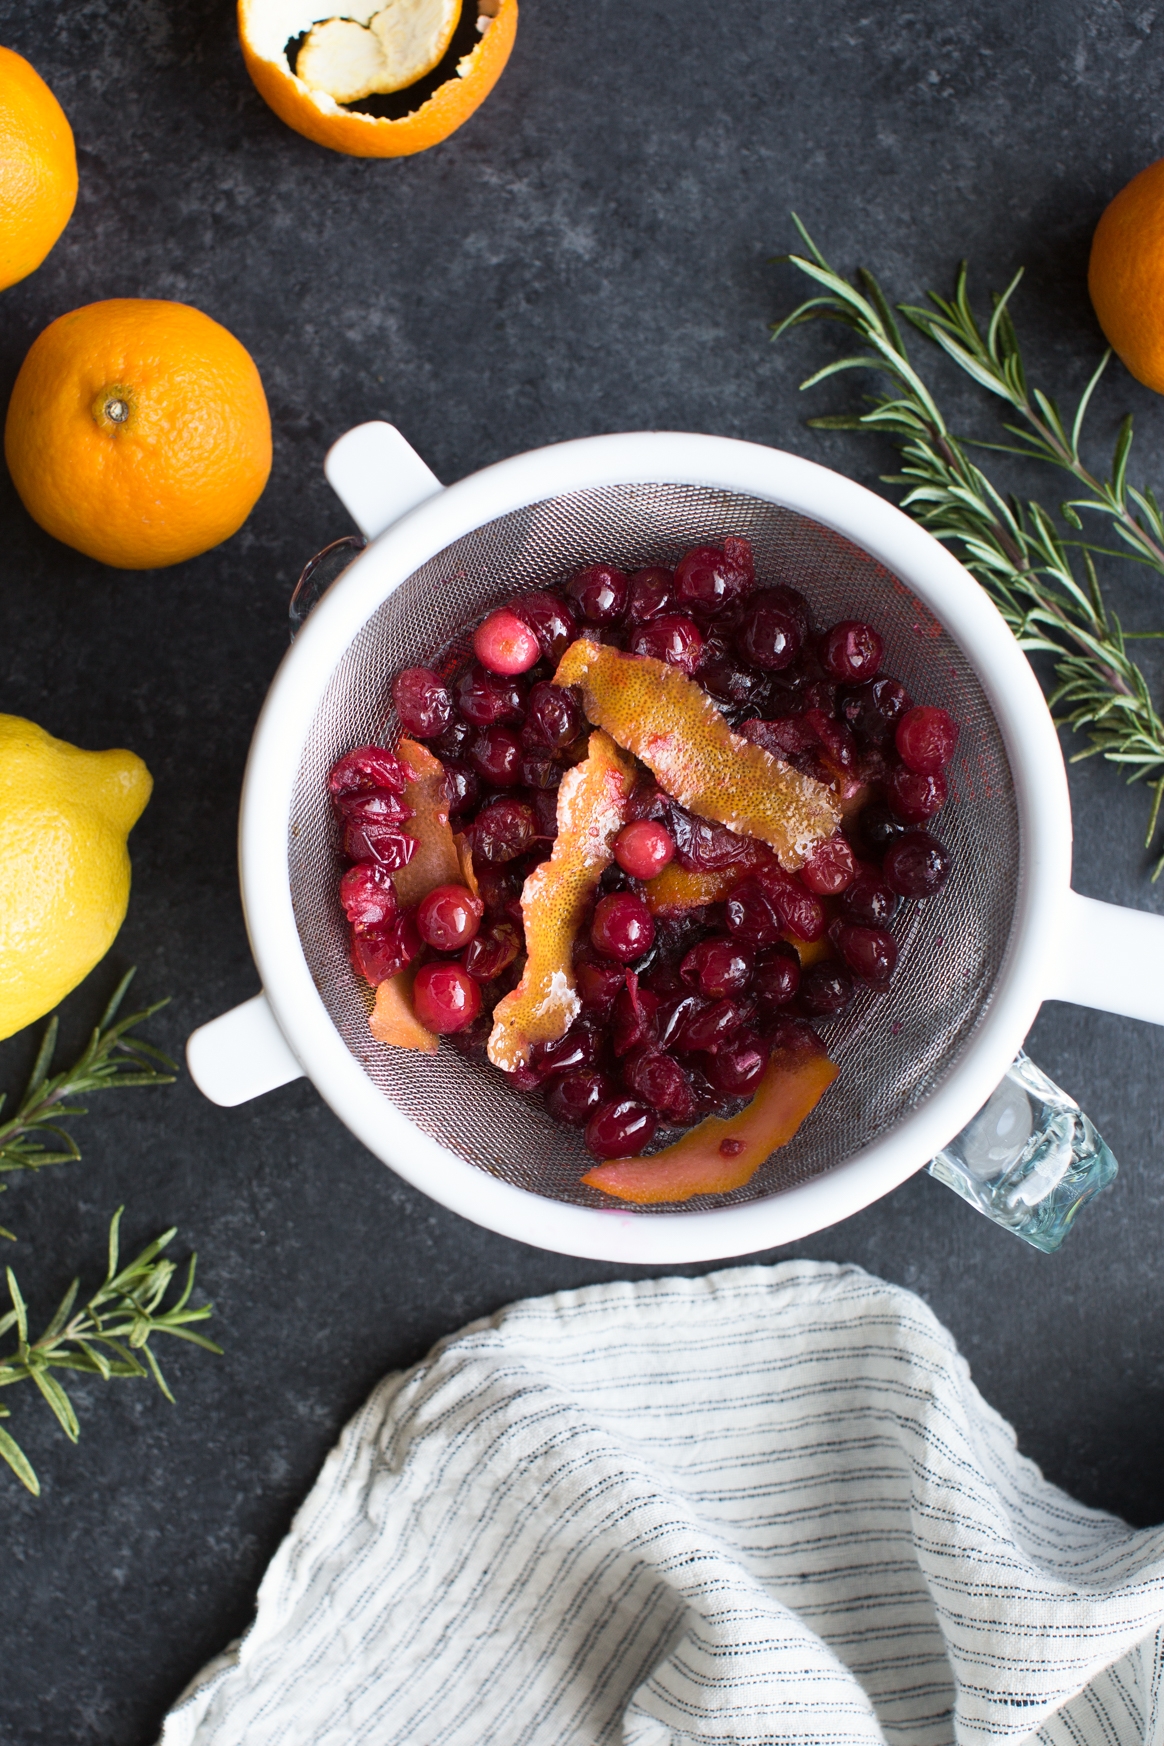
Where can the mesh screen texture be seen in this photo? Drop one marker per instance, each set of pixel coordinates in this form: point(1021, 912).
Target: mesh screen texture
point(893, 1049)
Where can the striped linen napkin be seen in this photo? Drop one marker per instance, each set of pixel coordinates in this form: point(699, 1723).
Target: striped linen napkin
point(764, 1506)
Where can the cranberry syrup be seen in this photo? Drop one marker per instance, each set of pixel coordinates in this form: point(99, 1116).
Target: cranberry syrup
point(679, 1012)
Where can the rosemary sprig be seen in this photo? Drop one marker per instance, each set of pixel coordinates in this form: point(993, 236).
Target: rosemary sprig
point(1015, 549)
point(112, 1058)
point(108, 1337)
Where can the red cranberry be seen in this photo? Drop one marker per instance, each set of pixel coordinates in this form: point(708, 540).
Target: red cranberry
point(598, 984)
point(463, 788)
point(495, 754)
point(578, 1048)
point(452, 746)
point(449, 917)
point(648, 801)
point(830, 868)
point(371, 839)
point(777, 975)
point(635, 1016)
point(368, 895)
point(925, 739)
point(851, 651)
point(717, 968)
point(661, 1082)
point(704, 847)
point(798, 909)
point(599, 593)
point(422, 703)
point(573, 1097)
point(550, 620)
point(784, 738)
point(751, 918)
point(553, 719)
point(504, 829)
point(873, 708)
point(917, 865)
point(484, 698)
point(623, 927)
point(643, 848)
point(794, 606)
point(545, 808)
point(492, 950)
point(724, 679)
point(500, 888)
point(914, 797)
point(879, 827)
point(826, 989)
point(541, 771)
point(377, 806)
point(710, 1027)
point(365, 768)
point(836, 739)
point(710, 578)
point(794, 1036)
point(651, 592)
point(620, 1128)
point(378, 953)
point(505, 644)
point(738, 1066)
point(673, 638)
point(768, 637)
point(870, 953)
point(870, 901)
point(445, 997)
point(674, 1014)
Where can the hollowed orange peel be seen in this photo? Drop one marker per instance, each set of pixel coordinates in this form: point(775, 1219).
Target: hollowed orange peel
point(591, 808)
point(669, 722)
point(377, 47)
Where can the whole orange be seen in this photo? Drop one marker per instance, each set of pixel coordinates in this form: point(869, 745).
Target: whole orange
point(1126, 275)
point(38, 169)
point(138, 432)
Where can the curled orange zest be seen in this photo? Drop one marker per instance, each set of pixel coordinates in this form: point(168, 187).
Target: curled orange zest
point(669, 722)
point(392, 1019)
point(436, 861)
point(721, 1155)
point(678, 888)
point(591, 807)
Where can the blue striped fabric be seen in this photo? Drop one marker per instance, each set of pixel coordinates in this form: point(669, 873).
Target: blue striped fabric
point(764, 1506)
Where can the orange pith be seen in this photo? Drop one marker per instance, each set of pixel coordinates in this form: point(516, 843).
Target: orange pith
point(138, 432)
point(38, 169)
point(1125, 275)
point(318, 117)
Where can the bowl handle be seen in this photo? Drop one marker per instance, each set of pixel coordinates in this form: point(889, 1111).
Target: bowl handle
point(1111, 959)
point(240, 1055)
point(377, 476)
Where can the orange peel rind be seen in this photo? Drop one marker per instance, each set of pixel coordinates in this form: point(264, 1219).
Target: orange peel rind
point(437, 860)
point(392, 1019)
point(720, 1154)
point(667, 720)
point(591, 808)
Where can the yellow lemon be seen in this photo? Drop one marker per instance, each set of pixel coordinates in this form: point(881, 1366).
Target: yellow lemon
point(64, 865)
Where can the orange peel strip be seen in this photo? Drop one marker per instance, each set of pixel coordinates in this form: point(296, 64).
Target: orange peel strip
point(591, 807)
point(792, 1086)
point(670, 723)
point(678, 888)
point(392, 1019)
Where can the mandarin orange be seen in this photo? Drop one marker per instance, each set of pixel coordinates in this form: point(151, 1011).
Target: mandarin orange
point(38, 169)
point(138, 432)
point(1126, 275)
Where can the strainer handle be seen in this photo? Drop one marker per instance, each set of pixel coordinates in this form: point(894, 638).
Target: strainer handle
point(378, 476)
point(240, 1055)
point(1111, 959)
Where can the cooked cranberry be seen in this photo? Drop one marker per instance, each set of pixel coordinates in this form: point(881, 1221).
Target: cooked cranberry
point(851, 651)
point(367, 894)
point(784, 738)
point(917, 865)
point(880, 827)
point(573, 1097)
point(599, 593)
point(914, 797)
point(798, 909)
point(598, 983)
point(370, 839)
point(873, 708)
point(831, 867)
point(663, 978)
point(492, 950)
point(673, 1014)
point(710, 1027)
point(623, 927)
point(768, 637)
point(826, 989)
point(869, 900)
point(445, 998)
point(505, 644)
point(635, 1016)
point(794, 1035)
point(673, 638)
point(648, 801)
point(580, 1047)
point(378, 953)
point(545, 809)
point(794, 606)
point(504, 829)
point(751, 917)
point(710, 578)
point(550, 620)
point(724, 679)
point(818, 694)
point(463, 788)
point(704, 847)
point(375, 806)
point(495, 754)
point(449, 917)
point(452, 746)
point(620, 1128)
point(365, 768)
point(661, 1082)
point(651, 592)
point(484, 698)
point(837, 744)
point(925, 739)
point(777, 975)
point(643, 848)
point(542, 771)
point(500, 887)
point(422, 702)
point(737, 1067)
point(553, 719)
point(717, 967)
point(870, 953)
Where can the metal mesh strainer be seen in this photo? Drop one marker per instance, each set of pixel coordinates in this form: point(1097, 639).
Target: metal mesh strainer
point(893, 1049)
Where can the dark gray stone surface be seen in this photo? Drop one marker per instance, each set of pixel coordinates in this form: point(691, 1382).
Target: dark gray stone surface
point(591, 253)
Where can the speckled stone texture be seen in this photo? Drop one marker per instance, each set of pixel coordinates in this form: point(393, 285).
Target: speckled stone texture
point(592, 252)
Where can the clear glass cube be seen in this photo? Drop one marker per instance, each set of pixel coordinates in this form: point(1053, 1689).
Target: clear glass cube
point(1029, 1160)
